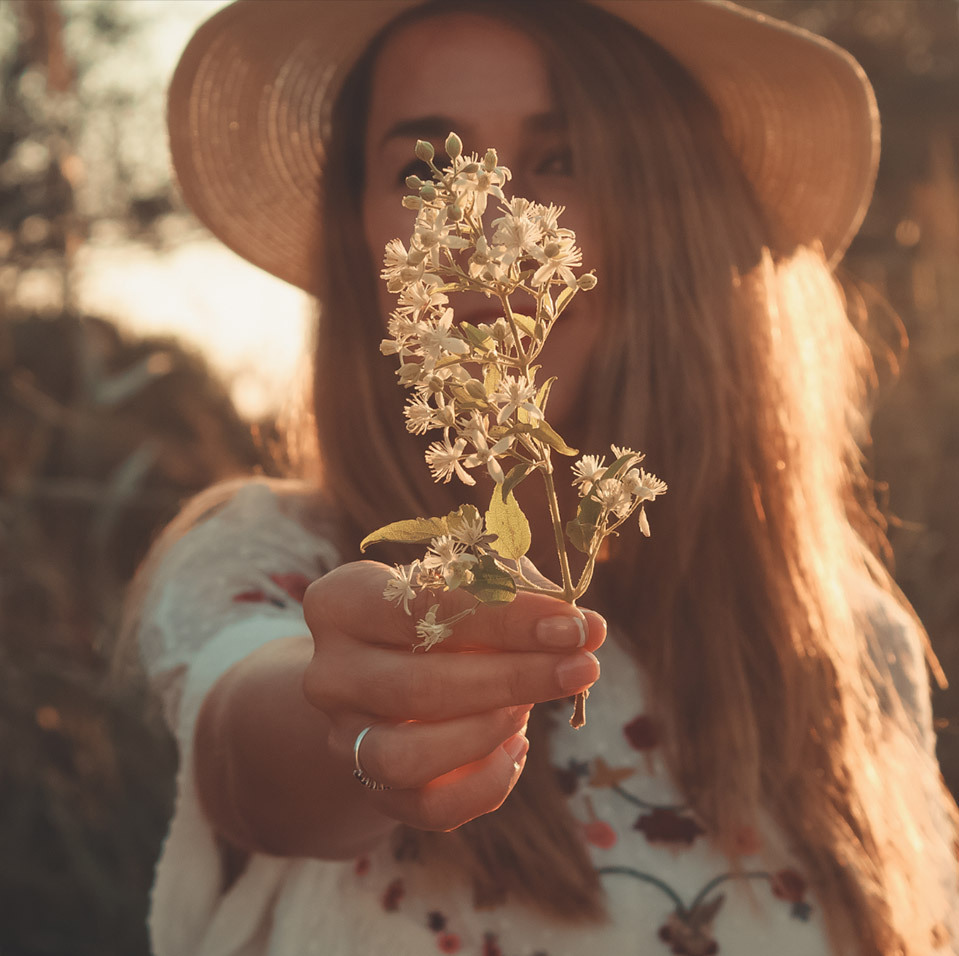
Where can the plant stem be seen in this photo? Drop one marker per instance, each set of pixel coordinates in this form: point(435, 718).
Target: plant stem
point(568, 590)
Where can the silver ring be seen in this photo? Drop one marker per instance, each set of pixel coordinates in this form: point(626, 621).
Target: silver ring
point(358, 770)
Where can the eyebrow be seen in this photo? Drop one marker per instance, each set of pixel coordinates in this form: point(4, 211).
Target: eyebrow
point(437, 126)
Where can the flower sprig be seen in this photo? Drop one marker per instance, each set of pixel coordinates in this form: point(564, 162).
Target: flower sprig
point(477, 386)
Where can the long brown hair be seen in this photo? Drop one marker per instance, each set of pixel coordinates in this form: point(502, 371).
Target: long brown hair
point(733, 364)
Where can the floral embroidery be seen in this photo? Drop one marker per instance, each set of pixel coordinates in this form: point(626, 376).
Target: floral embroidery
point(568, 777)
point(392, 896)
point(490, 946)
point(606, 776)
point(643, 732)
point(257, 597)
point(747, 842)
point(449, 943)
point(690, 933)
point(665, 825)
point(788, 885)
point(294, 584)
point(598, 832)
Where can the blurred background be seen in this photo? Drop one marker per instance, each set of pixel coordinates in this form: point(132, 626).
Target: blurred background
point(140, 362)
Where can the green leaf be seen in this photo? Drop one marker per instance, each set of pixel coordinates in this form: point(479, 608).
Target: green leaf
point(492, 378)
point(464, 399)
point(505, 519)
point(411, 531)
point(562, 300)
point(476, 338)
point(545, 433)
point(616, 469)
point(515, 475)
point(525, 324)
point(542, 396)
point(491, 584)
point(581, 531)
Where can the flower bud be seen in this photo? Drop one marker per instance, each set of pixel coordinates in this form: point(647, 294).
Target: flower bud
point(490, 160)
point(412, 202)
point(454, 212)
point(424, 150)
point(413, 182)
point(587, 281)
point(454, 146)
point(416, 256)
point(428, 192)
point(471, 169)
point(551, 249)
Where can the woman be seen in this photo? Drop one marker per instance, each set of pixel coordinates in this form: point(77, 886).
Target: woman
point(758, 770)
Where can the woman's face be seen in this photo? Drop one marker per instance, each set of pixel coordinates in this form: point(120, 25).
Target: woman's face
point(488, 83)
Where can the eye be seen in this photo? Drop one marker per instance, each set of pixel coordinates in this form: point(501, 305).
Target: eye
point(557, 162)
point(416, 167)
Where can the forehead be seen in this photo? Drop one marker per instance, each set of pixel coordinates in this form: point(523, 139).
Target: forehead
point(466, 68)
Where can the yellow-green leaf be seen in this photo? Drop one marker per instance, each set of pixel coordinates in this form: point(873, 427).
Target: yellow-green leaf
point(562, 300)
point(411, 531)
point(491, 584)
point(515, 475)
point(492, 378)
point(545, 433)
point(506, 520)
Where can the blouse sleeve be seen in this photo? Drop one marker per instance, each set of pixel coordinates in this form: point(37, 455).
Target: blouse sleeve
point(231, 584)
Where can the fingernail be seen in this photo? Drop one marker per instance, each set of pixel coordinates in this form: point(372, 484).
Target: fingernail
point(593, 619)
point(565, 631)
point(577, 671)
point(516, 747)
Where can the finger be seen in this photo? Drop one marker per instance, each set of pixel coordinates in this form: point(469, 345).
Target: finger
point(409, 754)
point(350, 600)
point(462, 795)
point(404, 686)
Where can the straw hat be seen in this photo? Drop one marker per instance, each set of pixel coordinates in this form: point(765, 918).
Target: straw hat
point(252, 91)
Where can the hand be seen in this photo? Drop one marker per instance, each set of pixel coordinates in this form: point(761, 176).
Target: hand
point(449, 724)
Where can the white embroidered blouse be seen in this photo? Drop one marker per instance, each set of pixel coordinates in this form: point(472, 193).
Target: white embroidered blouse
point(235, 582)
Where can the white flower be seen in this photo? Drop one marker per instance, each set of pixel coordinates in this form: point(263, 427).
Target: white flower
point(486, 263)
point(439, 340)
point(485, 454)
point(470, 532)
point(419, 296)
point(444, 459)
point(516, 393)
point(475, 182)
point(517, 232)
point(448, 557)
point(613, 496)
point(557, 256)
point(431, 631)
point(431, 234)
point(587, 471)
point(643, 485)
point(547, 217)
point(419, 416)
point(400, 266)
point(621, 451)
point(400, 587)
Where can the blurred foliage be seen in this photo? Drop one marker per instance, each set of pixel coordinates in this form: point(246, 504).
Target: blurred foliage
point(101, 439)
point(102, 436)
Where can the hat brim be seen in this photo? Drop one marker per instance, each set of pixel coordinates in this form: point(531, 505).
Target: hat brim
point(249, 97)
